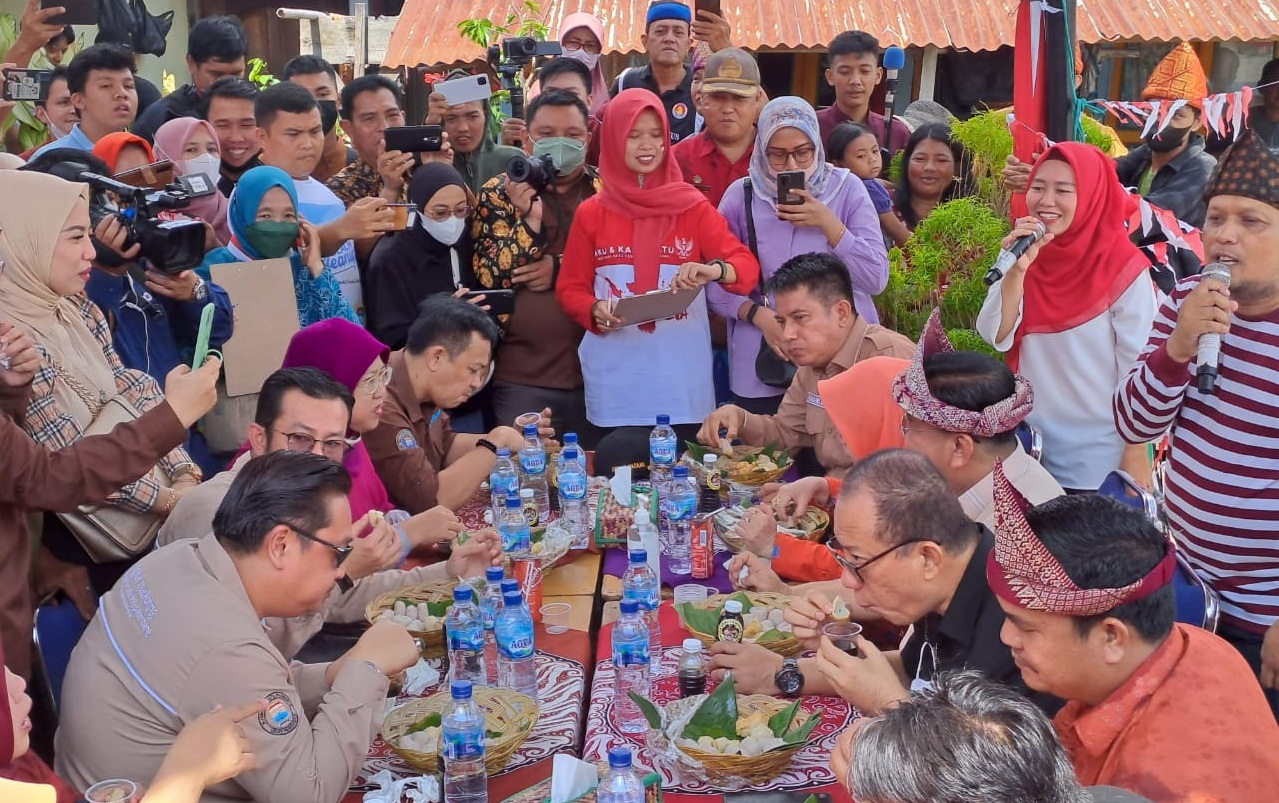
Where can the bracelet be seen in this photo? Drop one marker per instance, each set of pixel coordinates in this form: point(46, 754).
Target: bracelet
point(723, 269)
point(487, 444)
point(171, 499)
point(750, 316)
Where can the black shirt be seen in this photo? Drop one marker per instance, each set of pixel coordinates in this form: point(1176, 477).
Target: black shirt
point(1179, 185)
point(967, 636)
point(680, 112)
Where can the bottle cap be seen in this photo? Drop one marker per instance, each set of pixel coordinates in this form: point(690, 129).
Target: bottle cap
point(681, 471)
point(692, 645)
point(570, 438)
point(570, 453)
point(530, 431)
point(733, 606)
point(639, 556)
point(710, 460)
point(463, 593)
point(510, 584)
point(526, 493)
point(619, 758)
point(502, 451)
point(630, 606)
point(512, 501)
point(663, 420)
point(494, 574)
point(513, 598)
point(460, 689)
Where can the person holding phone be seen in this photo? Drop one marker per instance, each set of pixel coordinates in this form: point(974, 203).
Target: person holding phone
point(476, 155)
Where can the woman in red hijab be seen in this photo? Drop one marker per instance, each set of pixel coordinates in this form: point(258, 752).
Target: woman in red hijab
point(1074, 313)
point(646, 230)
point(123, 151)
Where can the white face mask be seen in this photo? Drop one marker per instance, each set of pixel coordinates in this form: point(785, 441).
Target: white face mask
point(205, 164)
point(589, 59)
point(55, 132)
point(447, 231)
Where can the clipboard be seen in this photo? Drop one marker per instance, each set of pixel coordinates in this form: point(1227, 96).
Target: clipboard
point(266, 318)
point(655, 305)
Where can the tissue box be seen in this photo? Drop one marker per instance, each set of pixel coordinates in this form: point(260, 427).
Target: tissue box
point(613, 519)
point(540, 792)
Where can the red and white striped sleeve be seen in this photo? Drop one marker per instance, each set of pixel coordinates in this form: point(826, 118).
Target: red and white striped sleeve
point(1148, 399)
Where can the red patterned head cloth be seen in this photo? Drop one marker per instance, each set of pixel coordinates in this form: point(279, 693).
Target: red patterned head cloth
point(1022, 572)
point(911, 391)
point(1179, 76)
point(1249, 169)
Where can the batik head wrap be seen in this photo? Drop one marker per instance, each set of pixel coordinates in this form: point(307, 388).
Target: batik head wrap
point(1180, 76)
point(1249, 170)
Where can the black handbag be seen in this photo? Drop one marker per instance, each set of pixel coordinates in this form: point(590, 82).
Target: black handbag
point(769, 368)
point(128, 22)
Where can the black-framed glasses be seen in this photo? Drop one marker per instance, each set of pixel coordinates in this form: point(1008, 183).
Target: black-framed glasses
point(343, 552)
point(856, 568)
point(801, 156)
point(334, 449)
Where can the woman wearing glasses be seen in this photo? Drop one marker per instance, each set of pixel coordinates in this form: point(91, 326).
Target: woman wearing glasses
point(834, 215)
point(431, 256)
point(263, 217)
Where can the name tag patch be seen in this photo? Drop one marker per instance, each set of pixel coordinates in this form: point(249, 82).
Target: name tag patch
point(816, 401)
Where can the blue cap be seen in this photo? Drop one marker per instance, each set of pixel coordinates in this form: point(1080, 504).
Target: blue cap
point(668, 11)
point(510, 583)
point(570, 438)
point(502, 451)
point(570, 453)
point(463, 593)
point(512, 501)
point(461, 690)
point(630, 606)
point(494, 574)
point(639, 556)
point(664, 420)
point(512, 598)
point(619, 758)
point(530, 430)
point(681, 471)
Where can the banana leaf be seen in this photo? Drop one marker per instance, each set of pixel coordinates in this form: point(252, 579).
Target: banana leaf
point(716, 717)
point(780, 722)
point(800, 735)
point(432, 720)
point(650, 711)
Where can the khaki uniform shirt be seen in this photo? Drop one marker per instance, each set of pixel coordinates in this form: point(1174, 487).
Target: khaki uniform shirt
point(801, 419)
point(1025, 473)
point(178, 636)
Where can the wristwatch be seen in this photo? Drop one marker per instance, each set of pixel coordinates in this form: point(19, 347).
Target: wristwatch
point(789, 680)
point(201, 291)
point(750, 315)
point(486, 444)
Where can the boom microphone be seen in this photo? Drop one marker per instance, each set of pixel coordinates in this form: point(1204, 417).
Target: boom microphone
point(894, 61)
point(1009, 256)
point(1210, 342)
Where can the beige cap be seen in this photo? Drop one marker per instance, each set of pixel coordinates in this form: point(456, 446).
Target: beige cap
point(731, 70)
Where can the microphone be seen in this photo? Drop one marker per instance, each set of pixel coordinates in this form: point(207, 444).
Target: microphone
point(1210, 342)
point(894, 60)
point(1009, 256)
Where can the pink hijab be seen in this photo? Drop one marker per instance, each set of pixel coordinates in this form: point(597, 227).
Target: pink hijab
point(170, 141)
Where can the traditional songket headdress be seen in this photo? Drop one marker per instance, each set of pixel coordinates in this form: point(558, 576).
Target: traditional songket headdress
point(1022, 572)
point(911, 391)
point(1249, 169)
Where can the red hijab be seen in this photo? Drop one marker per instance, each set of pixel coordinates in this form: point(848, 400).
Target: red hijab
point(653, 206)
point(108, 148)
point(1083, 271)
point(28, 768)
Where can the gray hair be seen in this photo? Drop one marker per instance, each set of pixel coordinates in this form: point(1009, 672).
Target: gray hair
point(912, 500)
point(968, 740)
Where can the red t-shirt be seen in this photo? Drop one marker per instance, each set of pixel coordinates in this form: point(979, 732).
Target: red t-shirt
point(706, 168)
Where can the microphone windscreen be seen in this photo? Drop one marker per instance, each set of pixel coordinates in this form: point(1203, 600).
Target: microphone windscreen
point(894, 58)
point(1218, 271)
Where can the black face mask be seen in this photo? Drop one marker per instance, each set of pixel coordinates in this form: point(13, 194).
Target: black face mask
point(328, 115)
point(1170, 139)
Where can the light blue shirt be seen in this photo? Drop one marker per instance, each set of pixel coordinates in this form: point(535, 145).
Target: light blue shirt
point(76, 139)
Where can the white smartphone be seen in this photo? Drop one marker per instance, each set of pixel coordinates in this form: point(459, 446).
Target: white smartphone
point(466, 89)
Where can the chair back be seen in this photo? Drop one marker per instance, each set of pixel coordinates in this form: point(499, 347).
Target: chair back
point(57, 630)
point(1032, 442)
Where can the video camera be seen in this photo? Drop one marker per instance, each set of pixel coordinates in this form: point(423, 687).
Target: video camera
point(172, 246)
point(511, 57)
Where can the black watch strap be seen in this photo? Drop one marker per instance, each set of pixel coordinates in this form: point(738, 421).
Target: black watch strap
point(487, 444)
point(750, 315)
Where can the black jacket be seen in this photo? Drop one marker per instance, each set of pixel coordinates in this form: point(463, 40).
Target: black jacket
point(183, 102)
point(1179, 185)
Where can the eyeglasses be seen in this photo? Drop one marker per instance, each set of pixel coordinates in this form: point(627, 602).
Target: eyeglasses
point(334, 449)
point(856, 569)
point(802, 156)
point(441, 215)
point(343, 552)
point(376, 382)
point(589, 45)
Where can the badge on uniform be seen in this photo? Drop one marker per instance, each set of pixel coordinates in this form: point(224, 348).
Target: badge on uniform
point(404, 440)
point(679, 111)
point(816, 401)
point(279, 717)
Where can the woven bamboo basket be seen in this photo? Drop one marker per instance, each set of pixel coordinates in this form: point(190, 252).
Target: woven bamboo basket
point(437, 591)
point(787, 646)
point(506, 712)
point(727, 770)
point(814, 524)
point(734, 470)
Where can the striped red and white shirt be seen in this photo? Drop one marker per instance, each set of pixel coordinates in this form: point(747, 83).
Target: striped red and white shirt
point(1223, 470)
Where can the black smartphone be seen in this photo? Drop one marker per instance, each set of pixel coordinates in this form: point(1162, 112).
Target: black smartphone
point(22, 84)
point(499, 302)
point(78, 12)
point(713, 6)
point(787, 183)
point(415, 138)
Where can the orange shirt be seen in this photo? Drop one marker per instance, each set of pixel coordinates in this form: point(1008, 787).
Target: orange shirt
point(801, 560)
point(1190, 726)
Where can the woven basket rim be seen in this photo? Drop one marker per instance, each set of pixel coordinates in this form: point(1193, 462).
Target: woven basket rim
point(434, 588)
point(787, 645)
point(524, 712)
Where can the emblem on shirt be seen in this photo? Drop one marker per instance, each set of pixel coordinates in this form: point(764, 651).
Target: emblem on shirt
point(279, 717)
point(679, 111)
point(816, 401)
point(684, 247)
point(404, 440)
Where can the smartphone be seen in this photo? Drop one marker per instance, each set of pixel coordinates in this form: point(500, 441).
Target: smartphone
point(713, 6)
point(787, 183)
point(465, 89)
point(23, 84)
point(415, 138)
point(78, 12)
point(202, 339)
point(155, 176)
point(499, 302)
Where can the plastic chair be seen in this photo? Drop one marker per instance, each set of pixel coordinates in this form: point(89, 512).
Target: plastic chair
point(57, 630)
point(1197, 604)
point(1031, 441)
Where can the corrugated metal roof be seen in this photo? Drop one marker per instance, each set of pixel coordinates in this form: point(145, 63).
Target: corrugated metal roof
point(427, 30)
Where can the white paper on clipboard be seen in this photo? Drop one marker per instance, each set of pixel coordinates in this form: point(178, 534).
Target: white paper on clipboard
point(655, 305)
point(266, 318)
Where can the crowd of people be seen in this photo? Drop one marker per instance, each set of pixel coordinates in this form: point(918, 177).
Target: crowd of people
point(1032, 645)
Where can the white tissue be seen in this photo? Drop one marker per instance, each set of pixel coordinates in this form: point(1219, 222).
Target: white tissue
point(420, 677)
point(570, 778)
point(419, 789)
point(621, 485)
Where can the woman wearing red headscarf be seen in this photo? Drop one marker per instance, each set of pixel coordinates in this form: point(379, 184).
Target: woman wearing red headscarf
point(1074, 312)
point(646, 230)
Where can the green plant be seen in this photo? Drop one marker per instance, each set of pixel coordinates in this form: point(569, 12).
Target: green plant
point(258, 74)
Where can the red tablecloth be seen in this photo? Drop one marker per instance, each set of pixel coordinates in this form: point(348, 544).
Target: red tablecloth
point(809, 769)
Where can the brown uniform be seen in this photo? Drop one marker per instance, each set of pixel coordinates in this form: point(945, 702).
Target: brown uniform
point(801, 419)
point(178, 636)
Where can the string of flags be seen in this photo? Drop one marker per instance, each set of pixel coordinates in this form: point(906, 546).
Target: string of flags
point(1225, 113)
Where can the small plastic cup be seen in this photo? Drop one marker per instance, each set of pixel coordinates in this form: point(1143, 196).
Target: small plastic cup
point(116, 790)
point(691, 592)
point(555, 617)
point(525, 419)
point(843, 635)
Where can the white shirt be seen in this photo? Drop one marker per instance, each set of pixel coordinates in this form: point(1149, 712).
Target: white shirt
point(320, 206)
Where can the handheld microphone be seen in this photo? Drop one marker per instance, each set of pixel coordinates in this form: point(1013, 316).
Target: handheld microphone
point(1210, 342)
point(1009, 256)
point(894, 61)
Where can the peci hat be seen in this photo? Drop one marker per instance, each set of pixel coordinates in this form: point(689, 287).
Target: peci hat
point(731, 70)
point(1248, 169)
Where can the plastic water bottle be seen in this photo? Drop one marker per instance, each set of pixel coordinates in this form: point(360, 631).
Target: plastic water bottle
point(641, 584)
point(465, 628)
point(513, 527)
point(678, 508)
point(509, 584)
point(570, 442)
point(661, 451)
point(533, 473)
point(630, 663)
point(516, 660)
point(621, 785)
point(692, 669)
point(572, 479)
point(490, 604)
point(503, 479)
point(462, 748)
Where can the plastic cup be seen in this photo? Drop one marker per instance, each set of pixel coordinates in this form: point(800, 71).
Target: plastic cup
point(117, 790)
point(691, 592)
point(525, 419)
point(843, 635)
point(555, 617)
point(400, 215)
point(529, 572)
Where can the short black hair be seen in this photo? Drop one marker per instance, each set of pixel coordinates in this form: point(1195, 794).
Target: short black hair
point(368, 83)
point(58, 73)
point(283, 97)
point(307, 64)
point(560, 66)
point(449, 322)
point(229, 87)
point(311, 381)
point(1101, 543)
point(972, 381)
point(557, 97)
point(963, 185)
point(217, 39)
point(284, 487)
point(67, 164)
point(67, 35)
point(103, 56)
point(843, 135)
point(1270, 72)
point(912, 500)
point(853, 43)
point(821, 273)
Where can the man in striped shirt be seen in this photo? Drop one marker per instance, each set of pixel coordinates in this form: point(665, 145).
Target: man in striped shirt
point(1223, 473)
